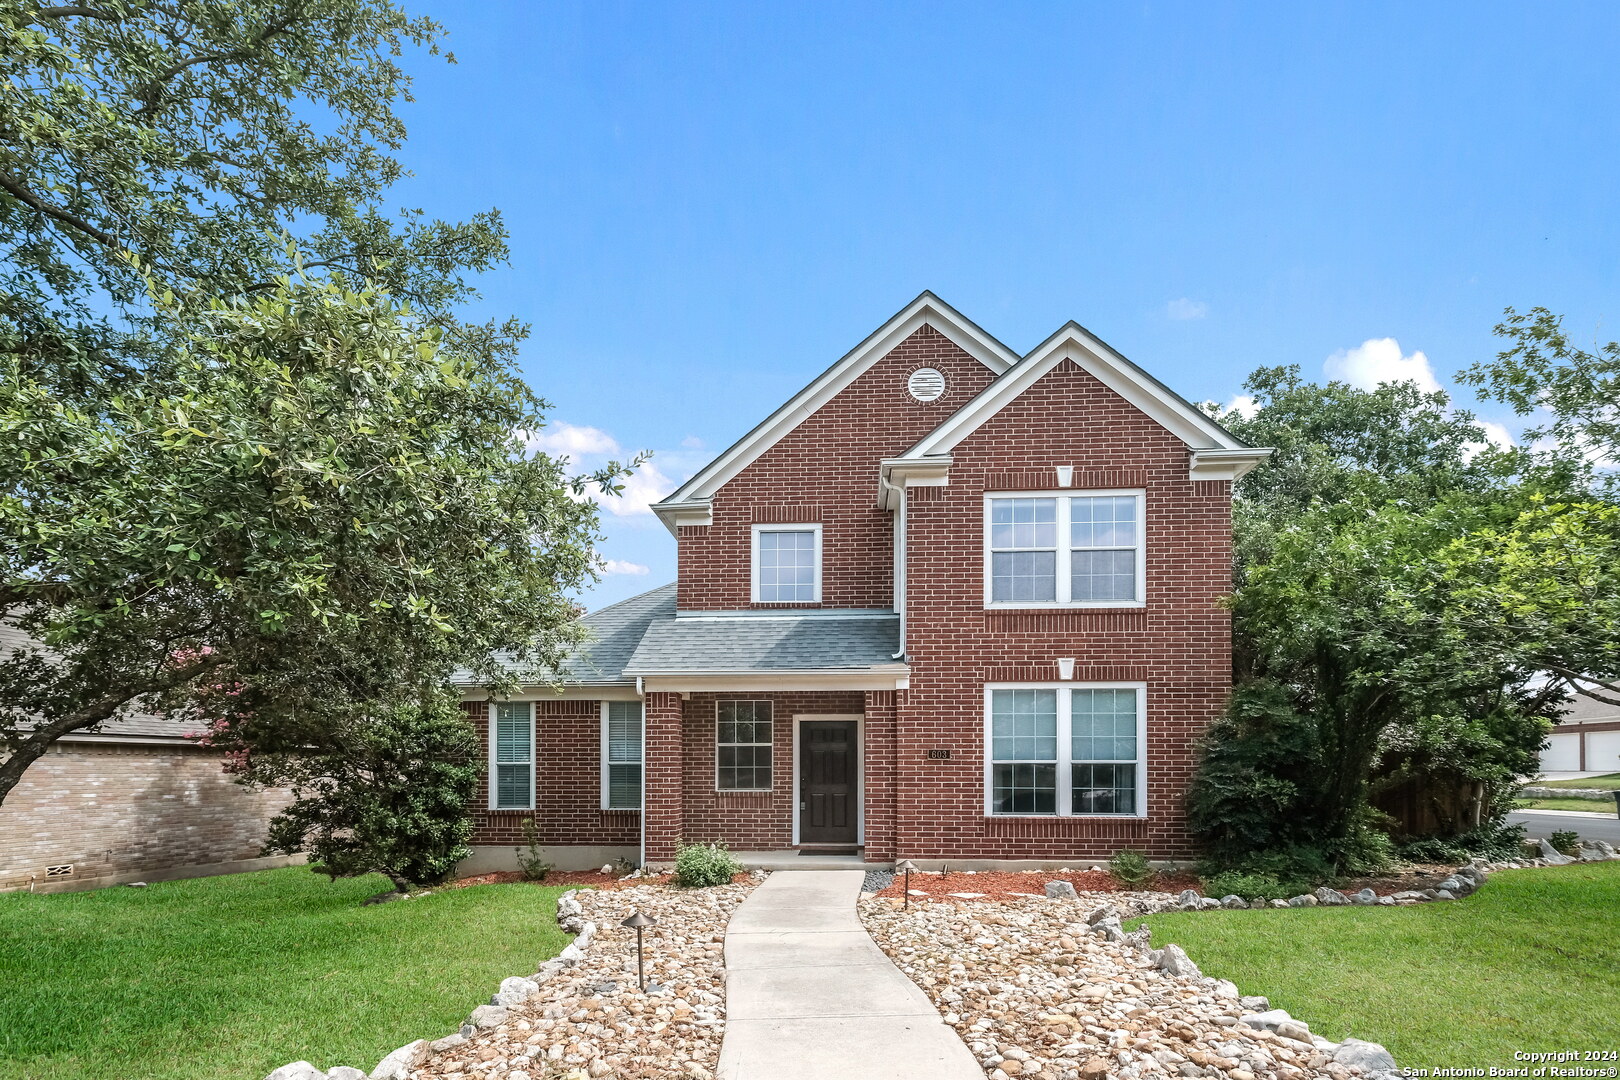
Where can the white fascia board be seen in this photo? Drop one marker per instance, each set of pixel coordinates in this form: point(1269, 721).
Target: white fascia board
point(1074, 342)
point(689, 512)
point(1226, 464)
point(927, 308)
point(895, 677)
point(897, 474)
point(567, 692)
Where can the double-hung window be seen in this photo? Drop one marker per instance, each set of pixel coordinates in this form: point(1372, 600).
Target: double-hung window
point(1064, 550)
point(511, 751)
point(621, 755)
point(1066, 750)
point(786, 564)
point(743, 746)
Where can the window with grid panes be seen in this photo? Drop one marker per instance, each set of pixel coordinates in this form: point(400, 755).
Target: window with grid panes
point(743, 746)
point(1078, 550)
point(1065, 750)
point(786, 565)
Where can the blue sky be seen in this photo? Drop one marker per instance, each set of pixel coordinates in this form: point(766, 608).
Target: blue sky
point(710, 203)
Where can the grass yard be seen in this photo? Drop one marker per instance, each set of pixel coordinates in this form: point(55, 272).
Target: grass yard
point(1610, 782)
point(230, 977)
point(1585, 806)
point(1530, 962)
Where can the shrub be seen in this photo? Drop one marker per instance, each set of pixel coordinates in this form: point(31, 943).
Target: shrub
point(1565, 840)
point(698, 866)
point(1248, 886)
point(1131, 867)
point(531, 863)
point(1487, 842)
point(1290, 870)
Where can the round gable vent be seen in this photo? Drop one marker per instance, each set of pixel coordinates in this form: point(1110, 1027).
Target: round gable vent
point(926, 384)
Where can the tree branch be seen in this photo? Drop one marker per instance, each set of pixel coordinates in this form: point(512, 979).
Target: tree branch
point(150, 93)
point(28, 198)
point(70, 10)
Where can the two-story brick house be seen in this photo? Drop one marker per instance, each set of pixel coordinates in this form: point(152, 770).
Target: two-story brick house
point(947, 603)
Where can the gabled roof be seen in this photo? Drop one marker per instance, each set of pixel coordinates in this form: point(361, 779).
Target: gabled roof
point(689, 502)
point(615, 631)
point(1093, 355)
point(130, 725)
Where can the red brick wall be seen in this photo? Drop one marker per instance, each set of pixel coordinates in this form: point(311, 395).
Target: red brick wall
point(1179, 644)
point(568, 782)
point(748, 822)
point(825, 470)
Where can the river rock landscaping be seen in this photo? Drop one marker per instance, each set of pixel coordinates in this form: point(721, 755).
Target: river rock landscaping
point(1052, 988)
point(582, 1016)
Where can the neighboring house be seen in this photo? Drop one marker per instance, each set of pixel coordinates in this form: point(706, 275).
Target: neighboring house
point(947, 603)
point(132, 801)
point(1587, 738)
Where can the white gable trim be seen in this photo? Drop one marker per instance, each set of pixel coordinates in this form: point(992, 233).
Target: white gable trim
point(1074, 342)
point(683, 507)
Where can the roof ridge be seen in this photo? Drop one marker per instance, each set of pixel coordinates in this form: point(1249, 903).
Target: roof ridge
point(629, 599)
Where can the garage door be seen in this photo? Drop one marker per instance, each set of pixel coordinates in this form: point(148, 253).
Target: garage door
point(1563, 753)
point(1603, 750)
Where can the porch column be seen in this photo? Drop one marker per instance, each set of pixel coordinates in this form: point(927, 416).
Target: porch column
point(662, 810)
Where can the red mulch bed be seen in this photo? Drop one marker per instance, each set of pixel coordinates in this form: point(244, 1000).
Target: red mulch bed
point(1005, 886)
point(579, 879)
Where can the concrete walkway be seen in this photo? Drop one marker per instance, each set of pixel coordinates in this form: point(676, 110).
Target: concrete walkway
point(809, 996)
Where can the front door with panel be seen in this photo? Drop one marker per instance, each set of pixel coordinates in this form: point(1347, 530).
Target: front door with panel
point(829, 782)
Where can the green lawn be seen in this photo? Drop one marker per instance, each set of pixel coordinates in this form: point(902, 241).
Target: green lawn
point(1530, 962)
point(229, 977)
point(1585, 806)
point(1610, 781)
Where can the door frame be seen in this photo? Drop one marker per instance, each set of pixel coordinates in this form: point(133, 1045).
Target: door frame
point(860, 769)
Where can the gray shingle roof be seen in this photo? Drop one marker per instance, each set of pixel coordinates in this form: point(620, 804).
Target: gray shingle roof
point(745, 643)
point(132, 725)
point(615, 632)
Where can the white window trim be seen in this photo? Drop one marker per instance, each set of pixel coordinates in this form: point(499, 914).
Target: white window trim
point(753, 561)
point(1064, 550)
point(1065, 748)
point(641, 802)
point(494, 771)
point(717, 744)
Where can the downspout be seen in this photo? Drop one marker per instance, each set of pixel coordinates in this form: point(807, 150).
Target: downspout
point(641, 858)
point(899, 557)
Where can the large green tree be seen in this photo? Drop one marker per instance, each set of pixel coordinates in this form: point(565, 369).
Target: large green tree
point(245, 438)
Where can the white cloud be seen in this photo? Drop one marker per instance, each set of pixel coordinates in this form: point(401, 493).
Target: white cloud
point(611, 567)
point(644, 487)
point(1186, 308)
point(1379, 360)
point(572, 441)
point(1243, 405)
point(1495, 435)
point(692, 442)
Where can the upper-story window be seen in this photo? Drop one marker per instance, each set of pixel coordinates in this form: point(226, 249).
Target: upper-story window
point(1064, 550)
point(787, 564)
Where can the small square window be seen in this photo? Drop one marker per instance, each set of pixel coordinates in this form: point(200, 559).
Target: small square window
point(787, 564)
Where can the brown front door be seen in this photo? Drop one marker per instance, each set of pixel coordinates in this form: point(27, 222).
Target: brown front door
point(829, 783)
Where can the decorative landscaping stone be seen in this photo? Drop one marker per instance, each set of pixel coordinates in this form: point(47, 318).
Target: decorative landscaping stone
point(1354, 1053)
point(1302, 901)
point(1595, 851)
point(398, 1065)
point(345, 1072)
point(1365, 896)
point(1552, 855)
point(297, 1070)
point(1176, 962)
point(1061, 890)
point(488, 1016)
point(1233, 901)
point(1188, 899)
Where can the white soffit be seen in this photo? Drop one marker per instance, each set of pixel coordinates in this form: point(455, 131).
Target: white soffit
point(926, 309)
point(1075, 342)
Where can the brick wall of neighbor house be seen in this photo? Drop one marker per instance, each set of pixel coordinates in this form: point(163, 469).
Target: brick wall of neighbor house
point(1179, 644)
point(568, 782)
point(115, 810)
point(825, 470)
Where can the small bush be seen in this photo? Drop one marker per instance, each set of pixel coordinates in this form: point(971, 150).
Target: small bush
point(1131, 867)
point(698, 866)
point(1492, 842)
point(1248, 886)
point(531, 863)
point(1565, 840)
point(1294, 870)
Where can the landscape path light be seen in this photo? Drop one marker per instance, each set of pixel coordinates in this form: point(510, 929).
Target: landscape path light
point(639, 923)
point(906, 868)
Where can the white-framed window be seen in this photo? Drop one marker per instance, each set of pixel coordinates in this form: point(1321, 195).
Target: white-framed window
point(742, 746)
point(1058, 550)
point(1070, 750)
point(511, 756)
point(621, 755)
point(786, 564)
